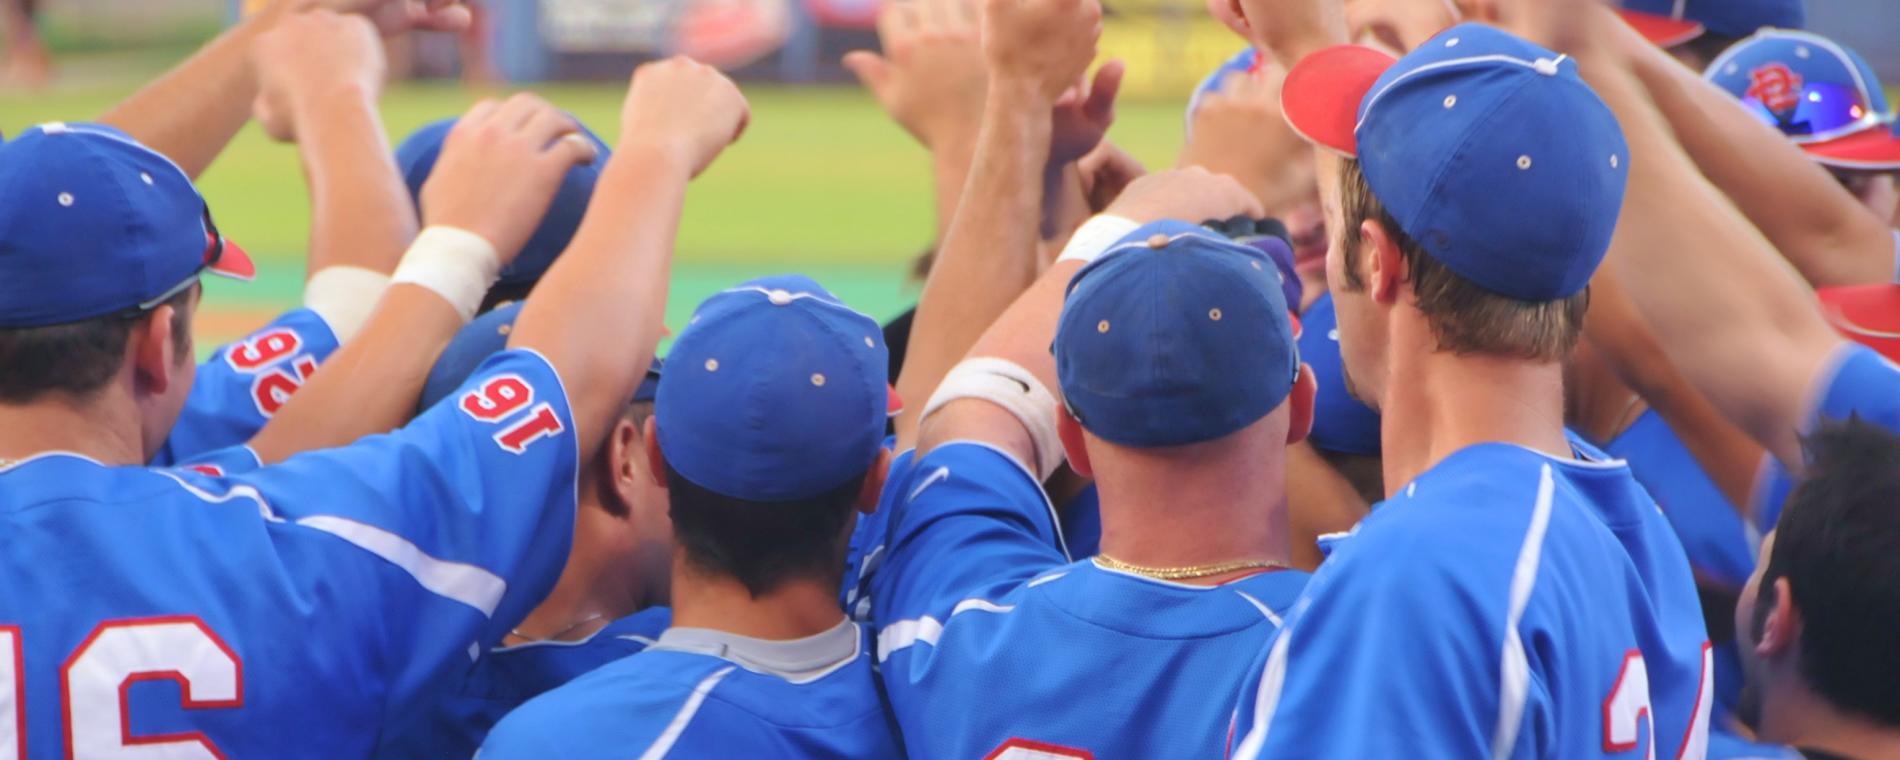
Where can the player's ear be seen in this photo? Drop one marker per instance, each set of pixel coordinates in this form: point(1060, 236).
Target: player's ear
point(1300, 405)
point(1385, 267)
point(656, 462)
point(874, 482)
point(1070, 430)
point(153, 355)
point(1782, 627)
point(624, 454)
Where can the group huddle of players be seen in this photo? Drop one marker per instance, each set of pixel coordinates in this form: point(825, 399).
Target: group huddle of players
point(1465, 393)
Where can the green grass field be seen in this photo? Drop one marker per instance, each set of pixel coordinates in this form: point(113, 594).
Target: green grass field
point(822, 184)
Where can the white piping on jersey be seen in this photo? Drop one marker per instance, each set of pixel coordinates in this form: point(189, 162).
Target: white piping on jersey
point(457, 581)
point(1272, 680)
point(1046, 579)
point(1514, 673)
point(940, 475)
point(664, 744)
point(1055, 520)
point(638, 639)
point(10, 466)
point(905, 633)
point(1262, 607)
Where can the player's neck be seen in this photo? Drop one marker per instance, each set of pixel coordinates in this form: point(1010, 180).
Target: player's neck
point(796, 609)
point(1198, 505)
point(95, 427)
point(1437, 402)
point(601, 581)
point(1805, 721)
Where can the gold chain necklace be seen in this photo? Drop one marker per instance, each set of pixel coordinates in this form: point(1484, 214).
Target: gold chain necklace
point(1191, 571)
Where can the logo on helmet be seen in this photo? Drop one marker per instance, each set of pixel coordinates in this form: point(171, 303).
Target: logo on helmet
point(1775, 86)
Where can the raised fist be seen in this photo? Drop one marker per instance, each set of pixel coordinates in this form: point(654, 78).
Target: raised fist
point(309, 57)
point(683, 109)
point(1045, 43)
point(499, 170)
point(931, 78)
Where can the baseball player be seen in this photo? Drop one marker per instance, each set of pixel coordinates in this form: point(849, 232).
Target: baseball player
point(343, 579)
point(1817, 618)
point(1520, 577)
point(1696, 31)
point(767, 432)
point(609, 601)
point(977, 587)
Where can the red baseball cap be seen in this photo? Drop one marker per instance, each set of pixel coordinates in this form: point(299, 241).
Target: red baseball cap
point(1662, 31)
point(1866, 314)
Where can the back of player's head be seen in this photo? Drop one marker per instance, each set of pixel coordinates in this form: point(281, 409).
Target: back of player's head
point(1176, 335)
point(1497, 172)
point(770, 418)
point(96, 233)
point(416, 158)
point(1838, 544)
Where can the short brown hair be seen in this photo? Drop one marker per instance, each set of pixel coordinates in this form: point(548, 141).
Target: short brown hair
point(1465, 318)
point(77, 359)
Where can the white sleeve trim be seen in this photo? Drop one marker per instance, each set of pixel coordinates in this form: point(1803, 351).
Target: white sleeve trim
point(671, 735)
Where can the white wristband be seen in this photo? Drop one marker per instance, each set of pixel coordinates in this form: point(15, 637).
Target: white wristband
point(1015, 389)
point(344, 296)
point(457, 264)
point(1095, 237)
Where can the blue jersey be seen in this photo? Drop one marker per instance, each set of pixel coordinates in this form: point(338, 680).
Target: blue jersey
point(1859, 381)
point(1720, 546)
point(993, 644)
point(679, 702)
point(453, 723)
point(244, 383)
point(289, 611)
point(1497, 606)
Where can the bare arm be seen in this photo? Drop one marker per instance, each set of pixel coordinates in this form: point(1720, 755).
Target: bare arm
point(990, 252)
point(599, 309)
point(191, 112)
point(1817, 224)
point(1747, 333)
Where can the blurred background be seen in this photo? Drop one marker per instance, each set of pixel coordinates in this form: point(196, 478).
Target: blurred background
point(822, 183)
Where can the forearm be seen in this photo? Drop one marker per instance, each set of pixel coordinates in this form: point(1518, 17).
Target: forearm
point(376, 376)
point(599, 309)
point(1065, 206)
point(1022, 336)
point(989, 254)
point(1822, 230)
point(362, 214)
point(191, 112)
point(1746, 334)
point(949, 172)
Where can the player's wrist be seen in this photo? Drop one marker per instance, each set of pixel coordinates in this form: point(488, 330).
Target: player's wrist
point(643, 158)
point(456, 263)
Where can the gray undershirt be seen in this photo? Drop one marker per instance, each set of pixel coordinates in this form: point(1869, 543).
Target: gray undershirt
point(794, 660)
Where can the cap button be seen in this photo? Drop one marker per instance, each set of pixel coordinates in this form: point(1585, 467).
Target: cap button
point(1545, 66)
point(778, 297)
point(1157, 241)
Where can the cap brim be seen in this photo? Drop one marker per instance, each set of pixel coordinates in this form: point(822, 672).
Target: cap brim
point(1322, 94)
point(1866, 314)
point(1662, 31)
point(1875, 149)
point(234, 263)
point(893, 403)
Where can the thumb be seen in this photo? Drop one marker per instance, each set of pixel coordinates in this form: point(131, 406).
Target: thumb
point(870, 69)
point(1100, 106)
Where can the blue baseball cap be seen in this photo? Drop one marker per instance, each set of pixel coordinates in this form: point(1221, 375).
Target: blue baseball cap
point(1669, 23)
point(1341, 423)
point(1819, 93)
point(1176, 335)
point(1246, 61)
point(486, 336)
point(775, 391)
point(1490, 152)
point(416, 157)
point(92, 223)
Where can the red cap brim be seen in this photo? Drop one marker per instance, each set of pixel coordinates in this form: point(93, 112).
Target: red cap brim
point(1866, 314)
point(893, 403)
point(1662, 31)
point(234, 263)
point(1322, 94)
point(1875, 149)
